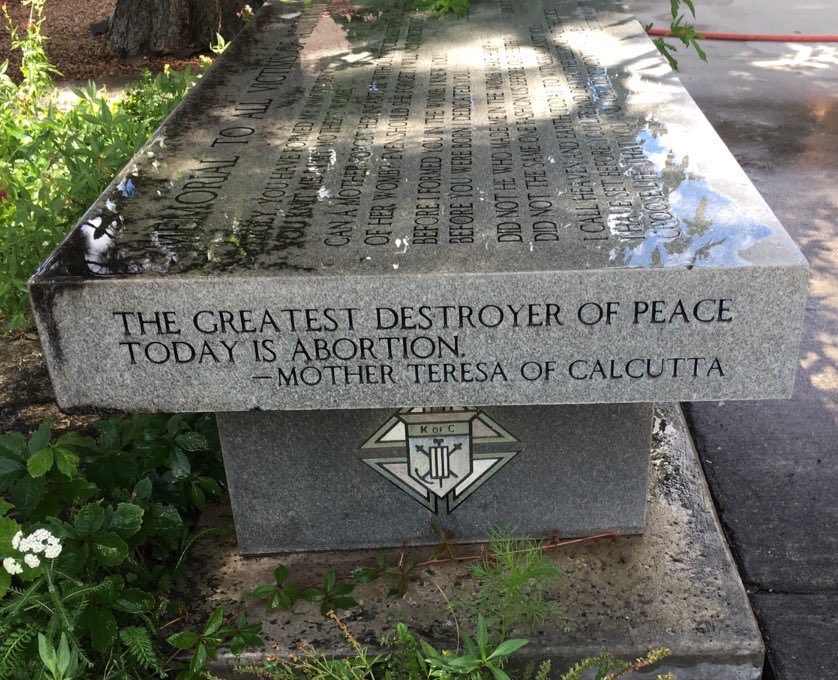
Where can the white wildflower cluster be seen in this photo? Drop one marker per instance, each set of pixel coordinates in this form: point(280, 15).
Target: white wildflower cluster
point(11, 565)
point(40, 542)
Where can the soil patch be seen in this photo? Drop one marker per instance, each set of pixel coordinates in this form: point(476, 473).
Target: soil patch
point(26, 397)
point(72, 47)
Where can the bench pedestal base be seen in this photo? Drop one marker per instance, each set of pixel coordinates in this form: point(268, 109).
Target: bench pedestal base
point(319, 480)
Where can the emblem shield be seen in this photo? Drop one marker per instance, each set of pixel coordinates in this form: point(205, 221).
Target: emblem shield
point(439, 452)
point(438, 456)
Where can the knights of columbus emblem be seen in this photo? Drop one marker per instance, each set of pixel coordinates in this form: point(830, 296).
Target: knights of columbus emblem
point(447, 454)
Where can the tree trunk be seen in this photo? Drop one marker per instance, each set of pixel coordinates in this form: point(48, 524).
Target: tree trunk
point(143, 26)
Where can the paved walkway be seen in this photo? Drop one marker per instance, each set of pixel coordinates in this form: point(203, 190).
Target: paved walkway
point(773, 466)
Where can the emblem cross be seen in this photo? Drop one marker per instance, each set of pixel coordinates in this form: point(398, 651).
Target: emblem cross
point(438, 458)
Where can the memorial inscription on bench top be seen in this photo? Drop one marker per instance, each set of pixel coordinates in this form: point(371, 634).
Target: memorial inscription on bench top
point(363, 206)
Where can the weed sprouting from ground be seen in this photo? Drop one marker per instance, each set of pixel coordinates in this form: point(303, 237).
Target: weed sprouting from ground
point(514, 579)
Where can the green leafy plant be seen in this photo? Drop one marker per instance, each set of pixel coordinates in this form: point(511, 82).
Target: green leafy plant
point(205, 645)
point(514, 576)
point(277, 595)
point(401, 574)
point(477, 657)
point(442, 7)
point(334, 592)
point(407, 657)
point(684, 32)
point(150, 98)
point(61, 664)
point(607, 667)
point(333, 595)
point(91, 534)
point(220, 45)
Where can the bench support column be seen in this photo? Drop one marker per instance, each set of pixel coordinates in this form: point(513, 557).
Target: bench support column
point(318, 480)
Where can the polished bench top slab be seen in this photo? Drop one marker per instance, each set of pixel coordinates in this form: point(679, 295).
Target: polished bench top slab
point(364, 206)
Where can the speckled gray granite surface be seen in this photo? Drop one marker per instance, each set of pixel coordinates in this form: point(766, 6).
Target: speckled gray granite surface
point(675, 586)
point(520, 207)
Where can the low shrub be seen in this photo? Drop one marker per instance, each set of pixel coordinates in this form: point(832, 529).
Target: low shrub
point(93, 532)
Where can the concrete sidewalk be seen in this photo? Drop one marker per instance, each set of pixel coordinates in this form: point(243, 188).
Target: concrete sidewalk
point(773, 466)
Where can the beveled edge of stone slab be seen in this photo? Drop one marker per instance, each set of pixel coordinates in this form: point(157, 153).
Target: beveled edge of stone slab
point(758, 350)
point(676, 586)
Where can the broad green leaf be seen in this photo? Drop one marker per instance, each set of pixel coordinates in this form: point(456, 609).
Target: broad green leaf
point(47, 653)
point(73, 440)
point(253, 640)
point(40, 437)
point(196, 497)
point(344, 602)
point(75, 491)
point(342, 589)
point(64, 658)
point(237, 645)
point(5, 506)
point(362, 575)
point(164, 517)
point(214, 622)
point(89, 519)
point(281, 600)
point(26, 493)
point(180, 464)
point(103, 628)
point(508, 647)
point(127, 519)
point(482, 632)
point(183, 640)
point(10, 470)
point(175, 424)
point(281, 573)
point(329, 579)
point(13, 444)
point(191, 441)
point(199, 658)
point(67, 462)
point(108, 548)
point(209, 485)
point(40, 462)
point(263, 592)
point(313, 595)
point(463, 663)
point(427, 649)
point(134, 601)
point(143, 488)
point(498, 674)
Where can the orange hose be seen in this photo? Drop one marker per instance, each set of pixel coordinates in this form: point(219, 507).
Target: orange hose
point(750, 37)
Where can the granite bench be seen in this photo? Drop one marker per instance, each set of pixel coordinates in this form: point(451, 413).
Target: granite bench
point(427, 271)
